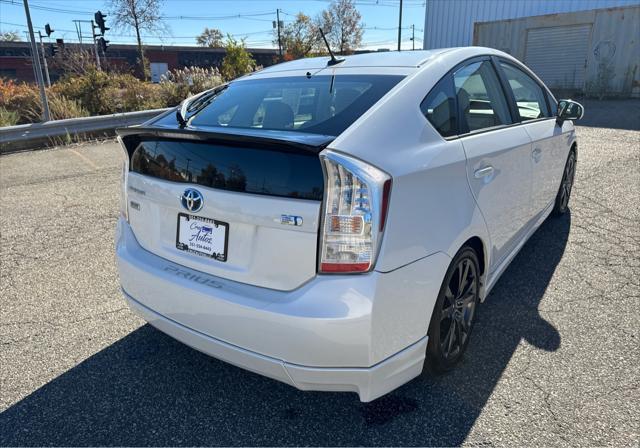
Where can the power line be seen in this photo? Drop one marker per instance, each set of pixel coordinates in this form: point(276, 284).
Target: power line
point(148, 36)
point(250, 16)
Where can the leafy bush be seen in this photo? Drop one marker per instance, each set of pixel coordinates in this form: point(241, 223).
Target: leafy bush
point(237, 61)
point(94, 92)
point(129, 94)
point(90, 90)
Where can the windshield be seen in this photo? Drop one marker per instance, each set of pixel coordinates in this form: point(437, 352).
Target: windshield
point(320, 104)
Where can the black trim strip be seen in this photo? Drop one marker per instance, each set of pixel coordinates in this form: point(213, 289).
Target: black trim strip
point(312, 143)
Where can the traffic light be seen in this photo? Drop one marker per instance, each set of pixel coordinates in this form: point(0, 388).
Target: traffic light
point(99, 19)
point(103, 44)
point(52, 50)
point(48, 30)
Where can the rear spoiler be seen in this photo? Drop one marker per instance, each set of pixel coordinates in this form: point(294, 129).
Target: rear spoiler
point(283, 140)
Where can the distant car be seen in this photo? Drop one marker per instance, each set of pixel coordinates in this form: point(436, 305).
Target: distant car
point(333, 225)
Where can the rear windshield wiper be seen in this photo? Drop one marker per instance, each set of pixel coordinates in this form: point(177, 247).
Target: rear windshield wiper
point(191, 106)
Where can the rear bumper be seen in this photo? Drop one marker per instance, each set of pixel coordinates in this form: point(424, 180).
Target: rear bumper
point(368, 383)
point(363, 333)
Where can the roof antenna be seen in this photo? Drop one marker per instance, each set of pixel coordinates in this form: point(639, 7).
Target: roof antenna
point(333, 60)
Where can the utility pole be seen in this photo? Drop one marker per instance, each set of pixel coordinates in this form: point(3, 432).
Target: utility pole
point(44, 60)
point(413, 37)
point(400, 26)
point(279, 39)
point(36, 61)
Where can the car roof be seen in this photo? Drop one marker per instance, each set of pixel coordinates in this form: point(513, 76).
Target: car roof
point(405, 59)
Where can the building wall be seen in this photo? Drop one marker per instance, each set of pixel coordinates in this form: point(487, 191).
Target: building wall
point(15, 58)
point(611, 52)
point(16, 67)
point(449, 23)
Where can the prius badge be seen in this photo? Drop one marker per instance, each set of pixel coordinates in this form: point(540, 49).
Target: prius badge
point(192, 200)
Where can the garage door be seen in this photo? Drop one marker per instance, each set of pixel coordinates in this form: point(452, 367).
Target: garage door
point(558, 55)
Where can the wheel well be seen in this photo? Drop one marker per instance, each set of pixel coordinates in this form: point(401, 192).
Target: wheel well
point(476, 244)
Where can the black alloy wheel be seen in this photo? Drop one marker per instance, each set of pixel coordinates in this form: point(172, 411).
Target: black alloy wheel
point(564, 193)
point(455, 310)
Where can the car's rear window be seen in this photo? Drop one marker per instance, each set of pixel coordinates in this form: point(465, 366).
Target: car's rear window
point(316, 104)
point(249, 169)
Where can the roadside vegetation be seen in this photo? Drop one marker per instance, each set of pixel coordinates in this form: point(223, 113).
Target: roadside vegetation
point(87, 91)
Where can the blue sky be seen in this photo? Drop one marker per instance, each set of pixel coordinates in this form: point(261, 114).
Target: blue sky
point(187, 18)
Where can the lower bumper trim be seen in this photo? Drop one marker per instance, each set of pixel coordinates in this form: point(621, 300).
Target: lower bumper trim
point(369, 383)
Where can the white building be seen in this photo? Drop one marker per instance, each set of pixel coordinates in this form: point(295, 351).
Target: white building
point(575, 46)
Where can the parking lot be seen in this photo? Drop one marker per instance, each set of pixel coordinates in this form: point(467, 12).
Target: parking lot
point(554, 359)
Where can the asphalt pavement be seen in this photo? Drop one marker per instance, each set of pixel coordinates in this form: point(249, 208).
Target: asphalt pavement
point(554, 358)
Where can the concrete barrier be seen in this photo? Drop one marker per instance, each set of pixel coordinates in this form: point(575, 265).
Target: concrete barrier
point(56, 132)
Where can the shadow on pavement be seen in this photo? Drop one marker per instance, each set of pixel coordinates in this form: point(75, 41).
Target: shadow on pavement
point(147, 389)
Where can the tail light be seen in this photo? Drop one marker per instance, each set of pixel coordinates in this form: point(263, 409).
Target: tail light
point(124, 209)
point(354, 211)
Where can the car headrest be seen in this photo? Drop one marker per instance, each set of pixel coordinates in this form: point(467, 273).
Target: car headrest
point(277, 115)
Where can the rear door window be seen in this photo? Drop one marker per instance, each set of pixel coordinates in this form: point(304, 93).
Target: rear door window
point(528, 94)
point(481, 101)
point(319, 104)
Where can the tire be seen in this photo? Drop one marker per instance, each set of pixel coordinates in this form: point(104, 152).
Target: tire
point(566, 185)
point(454, 314)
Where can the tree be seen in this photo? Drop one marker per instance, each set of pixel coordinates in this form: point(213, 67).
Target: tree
point(141, 15)
point(237, 60)
point(342, 26)
point(210, 37)
point(298, 37)
point(10, 36)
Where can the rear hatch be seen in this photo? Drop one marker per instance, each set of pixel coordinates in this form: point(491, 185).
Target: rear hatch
point(241, 207)
point(231, 183)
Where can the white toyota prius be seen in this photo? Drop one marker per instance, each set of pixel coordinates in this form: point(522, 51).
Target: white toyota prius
point(334, 223)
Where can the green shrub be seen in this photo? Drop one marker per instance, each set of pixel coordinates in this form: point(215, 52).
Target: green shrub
point(62, 107)
point(179, 84)
point(103, 93)
point(21, 99)
point(172, 93)
point(237, 61)
point(8, 117)
point(88, 89)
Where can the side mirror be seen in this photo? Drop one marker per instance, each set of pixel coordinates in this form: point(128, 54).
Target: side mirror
point(569, 110)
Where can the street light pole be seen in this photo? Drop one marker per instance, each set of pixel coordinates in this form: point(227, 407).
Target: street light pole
point(36, 61)
point(95, 44)
point(400, 26)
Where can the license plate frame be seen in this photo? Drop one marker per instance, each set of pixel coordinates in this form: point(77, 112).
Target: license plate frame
point(192, 249)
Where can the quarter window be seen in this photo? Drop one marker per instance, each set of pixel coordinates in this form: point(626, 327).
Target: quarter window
point(481, 101)
point(529, 96)
point(440, 108)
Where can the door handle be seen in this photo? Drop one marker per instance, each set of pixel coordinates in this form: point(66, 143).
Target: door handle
point(536, 154)
point(483, 172)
